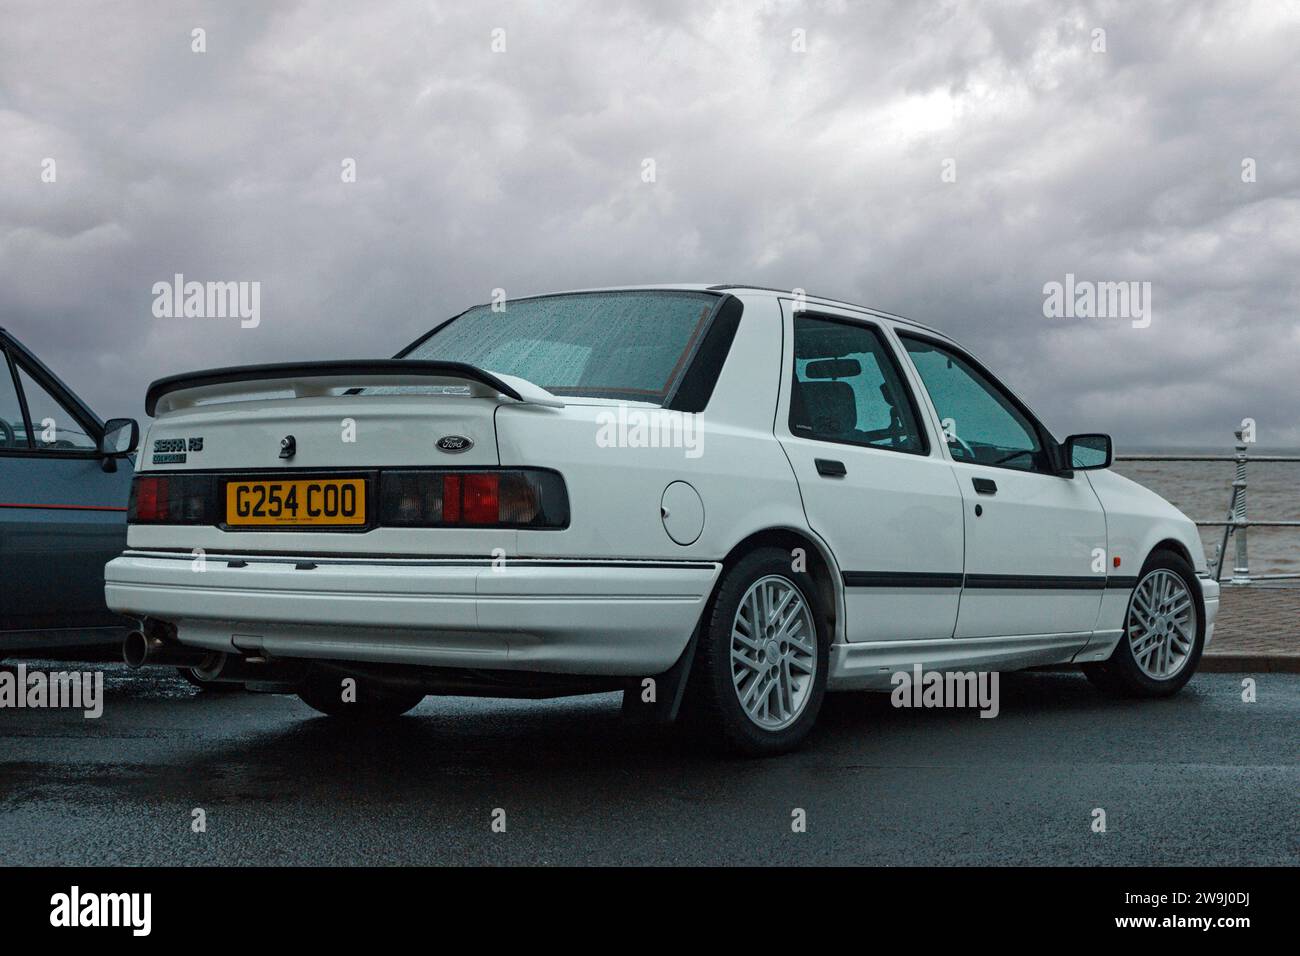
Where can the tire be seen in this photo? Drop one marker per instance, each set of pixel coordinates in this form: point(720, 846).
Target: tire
point(726, 696)
point(1167, 653)
point(322, 690)
point(216, 687)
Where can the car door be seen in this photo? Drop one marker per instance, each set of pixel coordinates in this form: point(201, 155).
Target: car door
point(873, 482)
point(1035, 537)
point(62, 514)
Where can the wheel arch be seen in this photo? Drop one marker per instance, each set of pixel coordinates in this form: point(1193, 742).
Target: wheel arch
point(1174, 545)
point(822, 567)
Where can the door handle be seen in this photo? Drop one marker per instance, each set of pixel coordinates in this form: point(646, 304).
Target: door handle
point(985, 486)
point(830, 468)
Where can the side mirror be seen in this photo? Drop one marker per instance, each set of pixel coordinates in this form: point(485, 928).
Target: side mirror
point(121, 436)
point(1088, 452)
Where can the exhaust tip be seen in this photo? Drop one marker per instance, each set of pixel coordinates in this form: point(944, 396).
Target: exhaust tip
point(135, 649)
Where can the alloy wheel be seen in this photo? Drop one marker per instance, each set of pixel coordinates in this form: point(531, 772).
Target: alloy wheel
point(1161, 624)
point(773, 652)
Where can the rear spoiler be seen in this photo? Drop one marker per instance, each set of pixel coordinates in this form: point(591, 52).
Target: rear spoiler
point(308, 379)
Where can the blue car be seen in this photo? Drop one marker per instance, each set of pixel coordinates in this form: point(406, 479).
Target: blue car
point(65, 477)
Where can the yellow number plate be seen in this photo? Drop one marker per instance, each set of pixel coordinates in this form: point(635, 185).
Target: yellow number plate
point(311, 502)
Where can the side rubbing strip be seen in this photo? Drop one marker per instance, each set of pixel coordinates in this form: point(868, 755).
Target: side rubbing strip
point(1051, 582)
point(986, 582)
point(900, 579)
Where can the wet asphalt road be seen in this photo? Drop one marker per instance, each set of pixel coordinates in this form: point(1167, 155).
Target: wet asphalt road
point(1200, 779)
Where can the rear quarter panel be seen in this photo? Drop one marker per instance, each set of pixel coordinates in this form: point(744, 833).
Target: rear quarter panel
point(739, 469)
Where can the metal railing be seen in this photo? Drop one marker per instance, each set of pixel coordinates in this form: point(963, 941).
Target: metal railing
point(1236, 525)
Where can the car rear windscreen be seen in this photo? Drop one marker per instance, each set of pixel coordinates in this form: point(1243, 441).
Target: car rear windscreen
point(632, 346)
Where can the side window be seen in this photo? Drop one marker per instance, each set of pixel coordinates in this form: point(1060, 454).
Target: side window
point(847, 388)
point(53, 426)
point(13, 433)
point(980, 423)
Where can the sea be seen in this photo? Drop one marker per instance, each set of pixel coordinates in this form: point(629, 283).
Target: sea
point(1202, 490)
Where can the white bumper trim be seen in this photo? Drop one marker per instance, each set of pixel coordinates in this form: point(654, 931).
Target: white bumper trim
point(592, 618)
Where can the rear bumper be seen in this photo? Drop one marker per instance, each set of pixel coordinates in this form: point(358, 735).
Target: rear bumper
point(592, 618)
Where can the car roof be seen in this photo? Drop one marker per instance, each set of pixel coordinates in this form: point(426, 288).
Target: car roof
point(825, 300)
point(749, 290)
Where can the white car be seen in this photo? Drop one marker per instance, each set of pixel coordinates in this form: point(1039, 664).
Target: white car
point(721, 499)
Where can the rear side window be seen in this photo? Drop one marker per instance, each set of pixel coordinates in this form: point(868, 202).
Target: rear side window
point(847, 388)
point(623, 345)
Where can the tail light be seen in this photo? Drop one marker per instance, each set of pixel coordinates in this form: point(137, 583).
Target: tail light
point(173, 499)
point(495, 498)
point(506, 498)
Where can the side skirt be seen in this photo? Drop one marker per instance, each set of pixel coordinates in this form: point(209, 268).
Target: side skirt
point(870, 665)
point(1101, 646)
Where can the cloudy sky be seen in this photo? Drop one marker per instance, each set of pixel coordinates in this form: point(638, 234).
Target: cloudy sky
point(806, 145)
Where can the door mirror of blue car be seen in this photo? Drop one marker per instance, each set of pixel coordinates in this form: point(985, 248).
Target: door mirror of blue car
point(121, 436)
point(1088, 452)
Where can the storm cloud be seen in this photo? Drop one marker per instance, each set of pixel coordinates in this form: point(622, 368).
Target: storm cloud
point(944, 161)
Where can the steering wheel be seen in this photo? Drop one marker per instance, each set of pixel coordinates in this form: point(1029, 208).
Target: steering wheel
point(954, 438)
point(7, 436)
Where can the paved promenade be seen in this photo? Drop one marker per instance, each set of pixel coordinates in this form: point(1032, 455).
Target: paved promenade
point(1258, 629)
